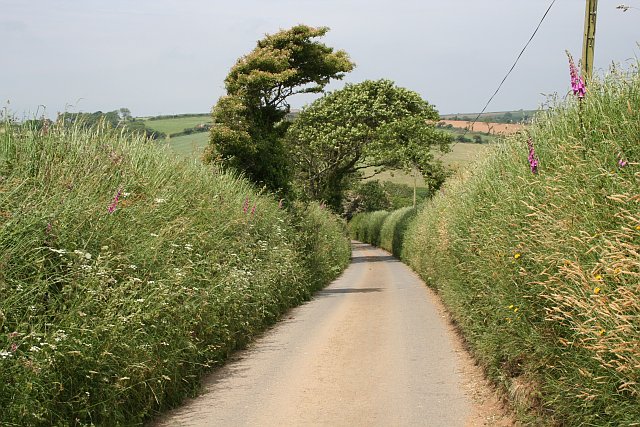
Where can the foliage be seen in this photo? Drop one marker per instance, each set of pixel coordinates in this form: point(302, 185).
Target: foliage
point(116, 119)
point(366, 226)
point(541, 270)
point(366, 196)
point(249, 120)
point(126, 274)
point(373, 123)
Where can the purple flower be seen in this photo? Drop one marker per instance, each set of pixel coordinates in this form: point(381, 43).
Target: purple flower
point(622, 163)
point(245, 208)
point(533, 159)
point(253, 209)
point(577, 82)
point(114, 203)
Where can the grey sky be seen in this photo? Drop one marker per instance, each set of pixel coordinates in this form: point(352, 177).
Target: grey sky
point(170, 56)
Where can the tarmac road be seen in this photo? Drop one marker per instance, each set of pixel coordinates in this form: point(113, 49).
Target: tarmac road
point(372, 349)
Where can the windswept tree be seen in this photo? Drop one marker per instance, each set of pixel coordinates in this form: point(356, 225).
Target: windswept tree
point(248, 122)
point(372, 126)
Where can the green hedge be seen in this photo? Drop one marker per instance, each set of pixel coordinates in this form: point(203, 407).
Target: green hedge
point(393, 229)
point(126, 274)
point(541, 270)
point(366, 226)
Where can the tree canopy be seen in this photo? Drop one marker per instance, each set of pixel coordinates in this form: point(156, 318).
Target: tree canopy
point(373, 126)
point(248, 122)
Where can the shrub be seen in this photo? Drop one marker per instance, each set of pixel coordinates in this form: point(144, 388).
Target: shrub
point(366, 227)
point(393, 229)
point(541, 270)
point(125, 274)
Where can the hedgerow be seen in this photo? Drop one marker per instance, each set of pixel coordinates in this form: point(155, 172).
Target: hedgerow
point(535, 252)
point(126, 274)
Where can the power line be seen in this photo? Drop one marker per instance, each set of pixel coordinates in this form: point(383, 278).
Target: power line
point(510, 70)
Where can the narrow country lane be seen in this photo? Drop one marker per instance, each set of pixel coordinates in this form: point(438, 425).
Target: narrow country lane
point(372, 349)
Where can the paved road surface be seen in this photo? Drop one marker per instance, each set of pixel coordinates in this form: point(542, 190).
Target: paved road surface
point(372, 349)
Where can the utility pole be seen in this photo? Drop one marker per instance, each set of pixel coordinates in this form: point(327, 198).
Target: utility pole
point(589, 38)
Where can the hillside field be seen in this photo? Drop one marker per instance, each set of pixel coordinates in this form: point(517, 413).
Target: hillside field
point(192, 146)
point(177, 124)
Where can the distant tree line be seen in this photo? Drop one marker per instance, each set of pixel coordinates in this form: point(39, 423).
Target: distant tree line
point(520, 116)
point(121, 118)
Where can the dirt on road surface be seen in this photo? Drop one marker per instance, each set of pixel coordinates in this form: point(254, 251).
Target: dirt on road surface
point(373, 349)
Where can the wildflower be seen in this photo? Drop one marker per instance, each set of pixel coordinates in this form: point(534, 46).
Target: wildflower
point(114, 203)
point(49, 227)
point(638, 227)
point(515, 310)
point(533, 159)
point(596, 290)
point(621, 162)
point(253, 209)
point(577, 82)
point(14, 347)
point(597, 278)
point(4, 354)
point(517, 255)
point(601, 332)
point(158, 201)
point(245, 208)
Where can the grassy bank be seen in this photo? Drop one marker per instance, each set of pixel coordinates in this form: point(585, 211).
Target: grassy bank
point(126, 274)
point(541, 270)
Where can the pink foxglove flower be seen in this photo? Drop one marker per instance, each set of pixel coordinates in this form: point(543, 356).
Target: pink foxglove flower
point(114, 203)
point(577, 82)
point(533, 159)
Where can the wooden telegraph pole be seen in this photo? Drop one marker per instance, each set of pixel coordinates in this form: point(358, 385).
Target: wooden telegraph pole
point(589, 38)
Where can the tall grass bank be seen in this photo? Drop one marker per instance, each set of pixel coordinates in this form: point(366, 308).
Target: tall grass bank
point(125, 274)
point(536, 253)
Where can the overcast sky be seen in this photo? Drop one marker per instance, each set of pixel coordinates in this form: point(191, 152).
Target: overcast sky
point(171, 56)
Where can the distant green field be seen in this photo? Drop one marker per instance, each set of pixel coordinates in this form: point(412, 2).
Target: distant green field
point(461, 154)
point(192, 146)
point(188, 146)
point(174, 125)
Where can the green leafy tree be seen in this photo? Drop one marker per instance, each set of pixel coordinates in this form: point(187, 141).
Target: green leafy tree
point(248, 122)
point(372, 126)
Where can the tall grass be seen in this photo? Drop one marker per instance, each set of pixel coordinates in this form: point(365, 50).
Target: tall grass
point(125, 274)
point(542, 271)
point(366, 227)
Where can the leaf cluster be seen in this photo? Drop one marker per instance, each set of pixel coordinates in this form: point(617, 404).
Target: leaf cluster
point(373, 124)
point(249, 121)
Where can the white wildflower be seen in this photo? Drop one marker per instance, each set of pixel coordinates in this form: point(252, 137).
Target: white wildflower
point(154, 235)
point(160, 200)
